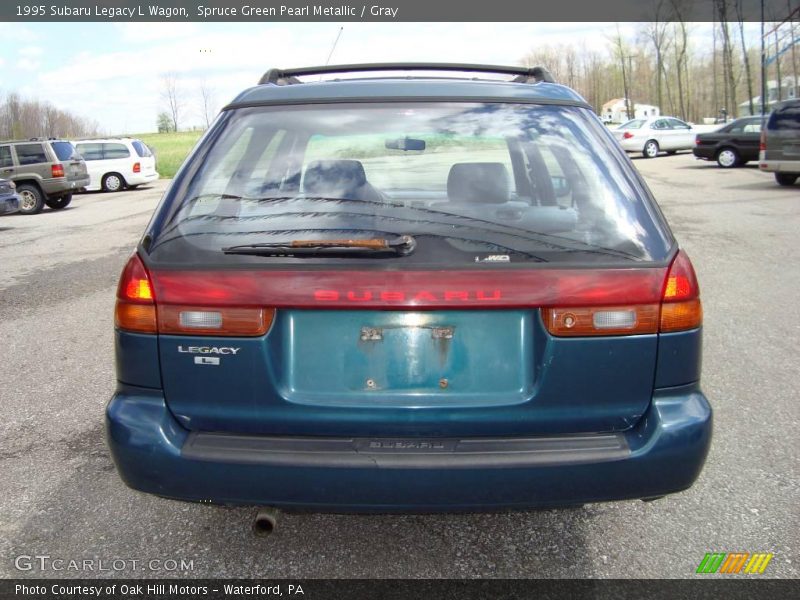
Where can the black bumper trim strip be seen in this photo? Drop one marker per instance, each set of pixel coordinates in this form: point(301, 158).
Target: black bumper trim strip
point(405, 453)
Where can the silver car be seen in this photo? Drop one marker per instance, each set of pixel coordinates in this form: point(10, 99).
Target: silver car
point(654, 135)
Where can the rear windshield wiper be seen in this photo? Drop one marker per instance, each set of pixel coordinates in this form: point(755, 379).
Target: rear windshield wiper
point(373, 247)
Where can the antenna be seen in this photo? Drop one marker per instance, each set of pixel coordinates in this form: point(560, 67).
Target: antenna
point(336, 41)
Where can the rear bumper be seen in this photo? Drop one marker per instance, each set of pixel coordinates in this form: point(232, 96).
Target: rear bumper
point(662, 454)
point(779, 166)
point(55, 188)
point(632, 144)
point(704, 152)
point(140, 178)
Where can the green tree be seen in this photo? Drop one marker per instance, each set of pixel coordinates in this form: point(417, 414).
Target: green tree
point(164, 123)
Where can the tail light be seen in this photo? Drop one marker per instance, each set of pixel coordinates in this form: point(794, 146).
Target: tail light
point(627, 135)
point(762, 145)
point(136, 305)
point(697, 140)
point(680, 309)
point(575, 302)
point(136, 311)
point(57, 170)
point(137, 167)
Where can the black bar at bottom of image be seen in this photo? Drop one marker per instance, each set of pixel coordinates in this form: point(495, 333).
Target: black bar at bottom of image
point(388, 589)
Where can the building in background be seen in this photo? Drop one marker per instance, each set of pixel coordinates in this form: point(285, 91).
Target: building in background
point(790, 89)
point(614, 111)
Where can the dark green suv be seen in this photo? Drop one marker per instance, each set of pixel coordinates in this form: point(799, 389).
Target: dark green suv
point(46, 172)
point(780, 143)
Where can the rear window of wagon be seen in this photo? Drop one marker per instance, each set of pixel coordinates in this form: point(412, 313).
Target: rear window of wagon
point(141, 148)
point(471, 182)
point(785, 117)
point(65, 151)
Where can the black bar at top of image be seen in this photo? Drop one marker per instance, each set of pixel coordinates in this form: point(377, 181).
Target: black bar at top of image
point(382, 10)
point(701, 587)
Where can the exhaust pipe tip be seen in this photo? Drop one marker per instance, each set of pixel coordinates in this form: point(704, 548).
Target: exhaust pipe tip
point(265, 522)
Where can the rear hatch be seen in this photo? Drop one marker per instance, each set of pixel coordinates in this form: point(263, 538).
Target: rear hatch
point(408, 269)
point(783, 133)
point(74, 166)
point(146, 158)
point(149, 166)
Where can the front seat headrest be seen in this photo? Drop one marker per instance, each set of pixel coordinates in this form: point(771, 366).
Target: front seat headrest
point(334, 178)
point(478, 183)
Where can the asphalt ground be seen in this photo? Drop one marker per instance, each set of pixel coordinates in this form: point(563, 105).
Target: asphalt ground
point(61, 497)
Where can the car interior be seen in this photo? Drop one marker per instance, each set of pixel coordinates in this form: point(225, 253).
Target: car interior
point(534, 183)
point(441, 179)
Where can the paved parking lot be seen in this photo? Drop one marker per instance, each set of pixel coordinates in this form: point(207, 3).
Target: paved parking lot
point(60, 496)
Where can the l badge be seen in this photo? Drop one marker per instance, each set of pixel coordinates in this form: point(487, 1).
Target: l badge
point(206, 360)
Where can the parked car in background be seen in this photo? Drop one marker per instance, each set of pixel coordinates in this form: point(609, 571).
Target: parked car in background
point(117, 163)
point(9, 200)
point(732, 145)
point(780, 143)
point(403, 293)
point(654, 135)
point(45, 171)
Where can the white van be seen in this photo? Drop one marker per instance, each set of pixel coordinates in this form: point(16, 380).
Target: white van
point(118, 163)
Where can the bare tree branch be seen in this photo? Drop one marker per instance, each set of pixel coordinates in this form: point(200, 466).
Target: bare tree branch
point(208, 106)
point(172, 96)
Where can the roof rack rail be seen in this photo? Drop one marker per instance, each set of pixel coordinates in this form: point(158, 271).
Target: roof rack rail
point(290, 76)
point(33, 139)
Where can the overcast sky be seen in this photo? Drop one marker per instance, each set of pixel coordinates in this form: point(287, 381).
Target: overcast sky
point(110, 72)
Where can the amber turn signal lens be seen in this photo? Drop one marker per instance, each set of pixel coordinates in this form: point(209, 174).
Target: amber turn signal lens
point(140, 318)
point(602, 320)
point(678, 316)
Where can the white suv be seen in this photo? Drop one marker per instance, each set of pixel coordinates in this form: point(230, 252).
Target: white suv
point(117, 163)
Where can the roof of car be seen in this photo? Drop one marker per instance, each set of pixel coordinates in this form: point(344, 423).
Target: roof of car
point(104, 140)
point(284, 87)
point(791, 102)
